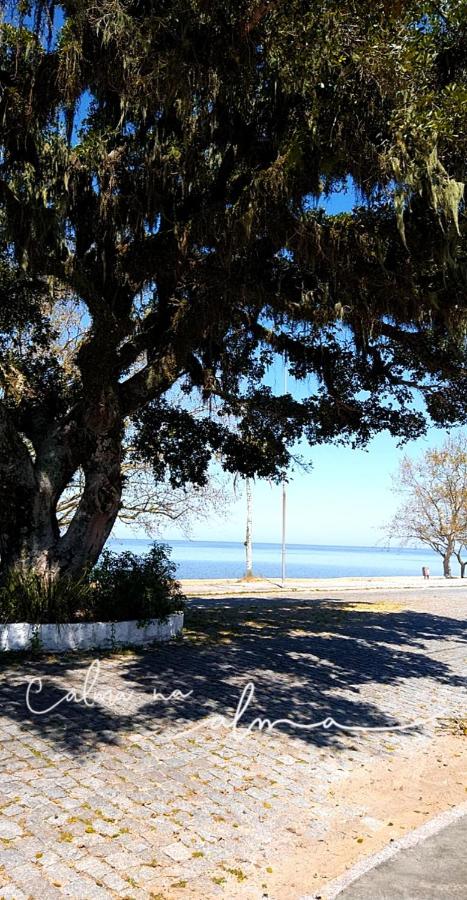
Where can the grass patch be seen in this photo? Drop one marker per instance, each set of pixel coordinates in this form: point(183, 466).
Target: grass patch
point(100, 815)
point(39, 755)
point(237, 873)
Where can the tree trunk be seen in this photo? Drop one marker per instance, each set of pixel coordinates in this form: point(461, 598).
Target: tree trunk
point(30, 538)
point(20, 501)
point(81, 545)
point(447, 564)
point(462, 563)
point(42, 550)
point(248, 534)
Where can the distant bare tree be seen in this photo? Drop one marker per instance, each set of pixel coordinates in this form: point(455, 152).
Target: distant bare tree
point(462, 562)
point(434, 510)
point(148, 504)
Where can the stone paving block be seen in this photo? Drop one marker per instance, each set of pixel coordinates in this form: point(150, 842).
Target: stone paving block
point(9, 830)
point(50, 858)
point(28, 876)
point(178, 852)
point(115, 882)
point(135, 845)
point(13, 892)
point(69, 852)
point(11, 857)
point(85, 889)
point(60, 873)
point(120, 861)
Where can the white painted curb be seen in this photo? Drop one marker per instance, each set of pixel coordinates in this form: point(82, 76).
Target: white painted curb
point(88, 635)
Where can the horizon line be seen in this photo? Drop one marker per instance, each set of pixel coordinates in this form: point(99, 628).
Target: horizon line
point(188, 540)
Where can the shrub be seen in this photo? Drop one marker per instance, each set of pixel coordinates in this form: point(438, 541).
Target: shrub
point(122, 586)
point(136, 587)
point(25, 597)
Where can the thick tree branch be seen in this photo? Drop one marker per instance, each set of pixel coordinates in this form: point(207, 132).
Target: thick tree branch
point(152, 381)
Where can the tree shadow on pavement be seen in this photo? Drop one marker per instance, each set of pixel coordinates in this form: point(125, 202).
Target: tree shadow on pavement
point(308, 660)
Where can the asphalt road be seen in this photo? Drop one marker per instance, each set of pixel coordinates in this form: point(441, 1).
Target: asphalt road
point(435, 868)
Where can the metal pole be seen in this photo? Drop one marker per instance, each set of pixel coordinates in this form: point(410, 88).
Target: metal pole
point(248, 535)
point(284, 510)
point(284, 495)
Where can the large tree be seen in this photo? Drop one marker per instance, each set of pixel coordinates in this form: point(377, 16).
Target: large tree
point(159, 167)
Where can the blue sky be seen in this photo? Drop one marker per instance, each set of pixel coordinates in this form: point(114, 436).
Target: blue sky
point(346, 498)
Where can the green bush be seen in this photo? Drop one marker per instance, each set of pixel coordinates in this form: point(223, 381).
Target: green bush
point(122, 586)
point(25, 597)
point(136, 587)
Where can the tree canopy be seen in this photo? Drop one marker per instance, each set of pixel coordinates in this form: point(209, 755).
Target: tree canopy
point(164, 167)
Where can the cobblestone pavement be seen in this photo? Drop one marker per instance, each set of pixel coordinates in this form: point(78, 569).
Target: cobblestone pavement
point(118, 792)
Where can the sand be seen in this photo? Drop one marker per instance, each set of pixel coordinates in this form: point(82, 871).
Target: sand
point(392, 797)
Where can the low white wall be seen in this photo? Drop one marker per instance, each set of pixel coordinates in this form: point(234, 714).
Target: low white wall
point(87, 635)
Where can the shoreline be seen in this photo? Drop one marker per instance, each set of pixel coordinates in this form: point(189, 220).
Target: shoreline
point(221, 587)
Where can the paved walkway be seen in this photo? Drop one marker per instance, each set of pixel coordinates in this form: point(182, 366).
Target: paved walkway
point(120, 792)
point(267, 587)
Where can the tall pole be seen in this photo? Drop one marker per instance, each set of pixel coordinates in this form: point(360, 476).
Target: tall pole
point(248, 535)
point(284, 510)
point(284, 495)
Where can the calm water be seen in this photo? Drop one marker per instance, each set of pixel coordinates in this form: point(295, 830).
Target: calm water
point(209, 559)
